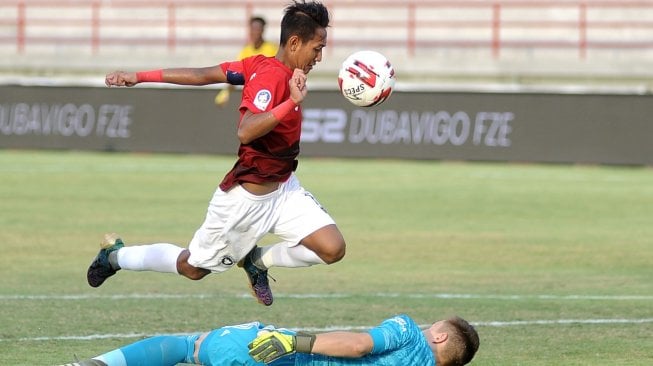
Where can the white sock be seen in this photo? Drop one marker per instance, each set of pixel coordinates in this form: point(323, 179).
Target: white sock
point(160, 257)
point(282, 255)
point(113, 358)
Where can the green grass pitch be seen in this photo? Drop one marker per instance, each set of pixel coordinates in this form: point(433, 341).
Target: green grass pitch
point(553, 263)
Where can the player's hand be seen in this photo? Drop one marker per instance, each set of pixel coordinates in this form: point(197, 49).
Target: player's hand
point(297, 83)
point(269, 346)
point(121, 78)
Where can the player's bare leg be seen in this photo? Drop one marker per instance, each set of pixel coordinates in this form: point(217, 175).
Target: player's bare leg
point(327, 242)
point(188, 271)
point(324, 246)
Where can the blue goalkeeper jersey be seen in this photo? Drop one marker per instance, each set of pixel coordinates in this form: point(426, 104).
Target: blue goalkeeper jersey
point(397, 341)
point(228, 345)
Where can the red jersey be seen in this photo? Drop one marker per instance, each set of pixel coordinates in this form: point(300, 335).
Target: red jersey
point(272, 157)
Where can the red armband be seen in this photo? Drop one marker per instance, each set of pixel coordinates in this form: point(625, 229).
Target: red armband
point(283, 109)
point(155, 76)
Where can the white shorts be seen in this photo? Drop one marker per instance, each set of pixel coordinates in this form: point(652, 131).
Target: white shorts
point(236, 220)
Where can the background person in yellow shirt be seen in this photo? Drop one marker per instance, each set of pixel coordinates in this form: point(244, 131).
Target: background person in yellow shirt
point(256, 46)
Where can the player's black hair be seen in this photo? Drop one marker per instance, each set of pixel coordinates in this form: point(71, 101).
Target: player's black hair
point(303, 18)
point(257, 19)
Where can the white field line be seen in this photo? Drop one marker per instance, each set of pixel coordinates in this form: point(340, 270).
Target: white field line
point(351, 328)
point(155, 296)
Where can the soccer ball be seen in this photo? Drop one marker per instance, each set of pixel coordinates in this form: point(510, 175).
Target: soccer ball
point(366, 78)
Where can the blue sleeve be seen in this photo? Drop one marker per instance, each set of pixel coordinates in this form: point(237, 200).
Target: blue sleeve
point(390, 335)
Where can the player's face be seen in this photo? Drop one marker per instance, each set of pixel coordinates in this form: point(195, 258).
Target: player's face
point(256, 32)
point(310, 53)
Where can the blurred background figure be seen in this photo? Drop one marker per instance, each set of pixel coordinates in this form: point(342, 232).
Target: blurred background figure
point(257, 45)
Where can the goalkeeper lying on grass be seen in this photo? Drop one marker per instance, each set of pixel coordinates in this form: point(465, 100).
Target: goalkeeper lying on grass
point(396, 341)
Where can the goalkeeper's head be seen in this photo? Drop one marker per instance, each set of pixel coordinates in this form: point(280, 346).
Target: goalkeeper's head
point(454, 341)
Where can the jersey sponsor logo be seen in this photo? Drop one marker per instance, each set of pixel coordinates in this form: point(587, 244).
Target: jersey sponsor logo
point(262, 99)
point(403, 325)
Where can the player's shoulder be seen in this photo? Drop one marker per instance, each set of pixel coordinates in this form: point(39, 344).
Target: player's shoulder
point(264, 62)
point(401, 318)
point(401, 323)
point(267, 68)
point(258, 59)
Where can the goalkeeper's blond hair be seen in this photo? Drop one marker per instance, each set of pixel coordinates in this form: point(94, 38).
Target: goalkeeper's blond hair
point(462, 342)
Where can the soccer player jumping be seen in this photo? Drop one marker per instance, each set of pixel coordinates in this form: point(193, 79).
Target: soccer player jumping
point(261, 194)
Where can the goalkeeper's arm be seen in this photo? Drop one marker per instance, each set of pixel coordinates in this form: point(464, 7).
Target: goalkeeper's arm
point(269, 346)
point(343, 344)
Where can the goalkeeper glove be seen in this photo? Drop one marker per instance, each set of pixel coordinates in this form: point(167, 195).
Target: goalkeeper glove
point(269, 346)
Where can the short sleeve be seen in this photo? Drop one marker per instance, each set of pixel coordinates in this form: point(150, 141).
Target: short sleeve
point(234, 72)
point(390, 335)
point(264, 92)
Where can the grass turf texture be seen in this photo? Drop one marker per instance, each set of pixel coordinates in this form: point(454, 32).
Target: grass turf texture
point(490, 242)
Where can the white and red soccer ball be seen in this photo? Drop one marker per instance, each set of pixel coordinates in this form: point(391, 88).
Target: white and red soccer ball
point(366, 78)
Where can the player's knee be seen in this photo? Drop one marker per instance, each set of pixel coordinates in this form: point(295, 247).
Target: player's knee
point(187, 270)
point(195, 276)
point(194, 273)
point(334, 253)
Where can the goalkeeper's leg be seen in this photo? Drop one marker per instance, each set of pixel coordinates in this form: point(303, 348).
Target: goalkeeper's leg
point(154, 351)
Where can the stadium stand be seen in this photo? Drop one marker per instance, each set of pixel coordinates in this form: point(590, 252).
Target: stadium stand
point(503, 41)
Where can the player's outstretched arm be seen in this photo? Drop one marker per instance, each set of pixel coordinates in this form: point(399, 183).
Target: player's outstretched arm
point(120, 78)
point(180, 76)
point(269, 346)
point(343, 344)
